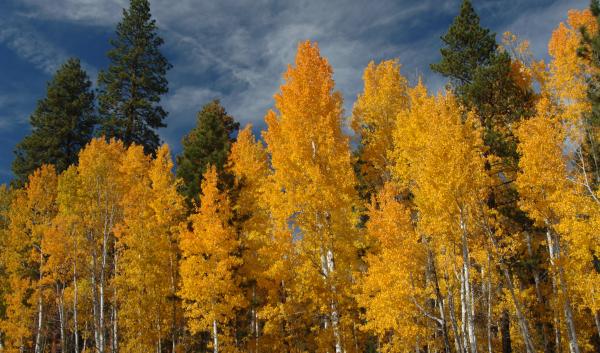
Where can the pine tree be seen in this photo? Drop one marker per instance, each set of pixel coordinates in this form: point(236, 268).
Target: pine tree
point(208, 143)
point(468, 46)
point(130, 90)
point(62, 123)
point(480, 76)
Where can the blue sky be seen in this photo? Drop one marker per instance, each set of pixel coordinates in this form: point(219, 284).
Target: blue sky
point(237, 50)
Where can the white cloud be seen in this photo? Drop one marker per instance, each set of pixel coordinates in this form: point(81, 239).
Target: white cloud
point(97, 12)
point(247, 45)
point(187, 98)
point(237, 50)
point(31, 46)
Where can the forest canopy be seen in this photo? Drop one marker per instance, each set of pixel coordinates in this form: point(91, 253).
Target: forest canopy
point(465, 220)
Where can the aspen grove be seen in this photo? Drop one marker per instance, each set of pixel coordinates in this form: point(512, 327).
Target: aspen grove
point(465, 220)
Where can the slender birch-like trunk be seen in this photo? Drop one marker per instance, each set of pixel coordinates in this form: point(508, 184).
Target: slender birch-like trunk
point(174, 306)
point(327, 269)
point(458, 341)
point(215, 337)
point(554, 250)
point(61, 317)
point(115, 318)
point(75, 294)
point(467, 295)
point(95, 305)
point(101, 293)
point(556, 318)
point(520, 317)
point(38, 333)
point(524, 327)
point(440, 300)
point(335, 319)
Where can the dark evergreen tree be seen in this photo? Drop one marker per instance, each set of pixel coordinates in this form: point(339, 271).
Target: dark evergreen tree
point(208, 143)
point(468, 47)
point(62, 123)
point(590, 50)
point(130, 90)
point(480, 76)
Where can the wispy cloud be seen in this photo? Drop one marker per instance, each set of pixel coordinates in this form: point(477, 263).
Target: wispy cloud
point(31, 46)
point(245, 46)
point(104, 12)
point(237, 50)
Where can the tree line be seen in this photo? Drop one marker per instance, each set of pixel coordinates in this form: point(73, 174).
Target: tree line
point(464, 221)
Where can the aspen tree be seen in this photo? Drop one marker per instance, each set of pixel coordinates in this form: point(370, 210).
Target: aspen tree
point(314, 192)
point(99, 195)
point(374, 119)
point(249, 165)
point(145, 280)
point(393, 289)
point(67, 253)
point(30, 216)
point(542, 183)
point(209, 285)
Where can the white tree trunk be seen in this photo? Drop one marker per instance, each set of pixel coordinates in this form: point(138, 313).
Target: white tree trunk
point(335, 319)
point(61, 317)
point(95, 305)
point(554, 250)
point(38, 333)
point(215, 337)
point(75, 294)
point(115, 317)
point(439, 298)
point(467, 294)
point(529, 347)
point(101, 324)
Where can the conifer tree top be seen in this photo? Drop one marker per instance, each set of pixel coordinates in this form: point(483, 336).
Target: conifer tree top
point(132, 86)
point(207, 144)
point(62, 123)
point(467, 46)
